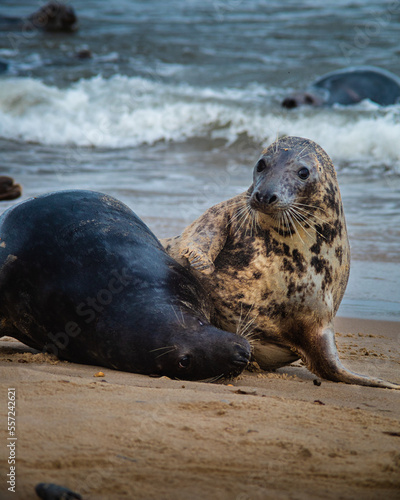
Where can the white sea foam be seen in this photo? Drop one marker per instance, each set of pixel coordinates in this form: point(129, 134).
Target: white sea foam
point(129, 111)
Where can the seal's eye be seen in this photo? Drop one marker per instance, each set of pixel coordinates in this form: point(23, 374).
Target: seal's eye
point(260, 165)
point(184, 362)
point(200, 322)
point(303, 173)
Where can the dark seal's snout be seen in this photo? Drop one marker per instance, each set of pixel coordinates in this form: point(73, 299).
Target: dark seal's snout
point(242, 355)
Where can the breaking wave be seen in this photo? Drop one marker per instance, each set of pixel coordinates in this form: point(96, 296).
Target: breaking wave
point(126, 111)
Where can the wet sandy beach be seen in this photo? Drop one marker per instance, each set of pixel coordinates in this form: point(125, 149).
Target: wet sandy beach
point(261, 436)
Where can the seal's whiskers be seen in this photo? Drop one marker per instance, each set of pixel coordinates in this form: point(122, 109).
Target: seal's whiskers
point(309, 206)
point(300, 156)
point(167, 350)
point(292, 216)
point(244, 324)
point(310, 214)
point(243, 220)
point(254, 221)
point(213, 379)
point(287, 223)
point(238, 214)
point(181, 320)
point(303, 219)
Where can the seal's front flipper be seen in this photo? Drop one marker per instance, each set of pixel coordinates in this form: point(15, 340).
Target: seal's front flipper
point(202, 241)
point(199, 261)
point(49, 491)
point(321, 357)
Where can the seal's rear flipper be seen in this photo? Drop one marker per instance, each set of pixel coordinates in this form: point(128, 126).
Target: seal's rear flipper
point(9, 330)
point(323, 360)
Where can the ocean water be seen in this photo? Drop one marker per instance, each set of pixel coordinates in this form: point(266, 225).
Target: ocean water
point(179, 98)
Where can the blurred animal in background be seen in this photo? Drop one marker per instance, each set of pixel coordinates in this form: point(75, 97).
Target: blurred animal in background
point(8, 189)
point(349, 86)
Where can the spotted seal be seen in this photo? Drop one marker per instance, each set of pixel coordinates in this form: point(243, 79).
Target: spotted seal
point(349, 86)
point(276, 258)
point(81, 276)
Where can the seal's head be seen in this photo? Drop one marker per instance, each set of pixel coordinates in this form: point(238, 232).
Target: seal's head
point(302, 99)
point(293, 179)
point(193, 349)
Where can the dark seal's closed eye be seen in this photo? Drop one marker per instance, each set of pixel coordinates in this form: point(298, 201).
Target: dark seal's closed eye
point(184, 362)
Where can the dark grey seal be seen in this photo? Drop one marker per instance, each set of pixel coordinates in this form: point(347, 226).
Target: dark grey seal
point(82, 277)
point(349, 86)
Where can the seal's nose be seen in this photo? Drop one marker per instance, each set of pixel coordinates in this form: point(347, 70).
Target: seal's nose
point(242, 355)
point(289, 103)
point(265, 198)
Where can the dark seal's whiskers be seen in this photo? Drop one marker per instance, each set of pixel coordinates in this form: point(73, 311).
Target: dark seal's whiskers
point(212, 379)
point(171, 348)
point(181, 320)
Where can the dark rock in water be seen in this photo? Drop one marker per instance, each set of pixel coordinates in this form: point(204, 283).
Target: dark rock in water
point(3, 66)
point(55, 17)
point(84, 54)
point(349, 86)
point(49, 491)
point(8, 189)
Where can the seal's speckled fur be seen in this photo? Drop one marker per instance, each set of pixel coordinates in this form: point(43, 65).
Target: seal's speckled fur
point(276, 258)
